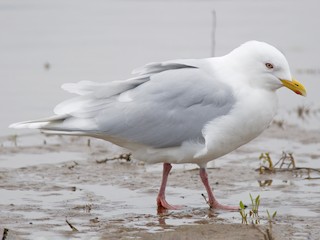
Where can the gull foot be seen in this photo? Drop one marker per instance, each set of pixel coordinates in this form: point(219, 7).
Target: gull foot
point(163, 204)
point(214, 204)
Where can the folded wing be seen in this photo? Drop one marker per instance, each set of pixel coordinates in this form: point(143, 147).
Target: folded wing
point(167, 104)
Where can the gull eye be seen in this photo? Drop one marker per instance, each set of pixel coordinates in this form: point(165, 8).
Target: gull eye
point(269, 65)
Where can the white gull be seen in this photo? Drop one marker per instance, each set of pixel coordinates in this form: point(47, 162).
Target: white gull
point(180, 111)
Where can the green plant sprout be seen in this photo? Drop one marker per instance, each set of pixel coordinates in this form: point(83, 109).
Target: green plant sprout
point(254, 212)
point(253, 215)
point(266, 159)
point(255, 219)
point(271, 217)
point(268, 235)
point(243, 213)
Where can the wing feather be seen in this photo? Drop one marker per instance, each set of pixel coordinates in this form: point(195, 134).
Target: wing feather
point(166, 104)
point(173, 107)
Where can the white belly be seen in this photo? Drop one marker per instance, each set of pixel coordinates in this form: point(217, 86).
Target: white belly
point(245, 122)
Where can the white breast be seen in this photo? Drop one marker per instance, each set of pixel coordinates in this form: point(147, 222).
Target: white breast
point(252, 114)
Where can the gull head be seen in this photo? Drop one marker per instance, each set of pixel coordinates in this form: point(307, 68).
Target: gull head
point(264, 66)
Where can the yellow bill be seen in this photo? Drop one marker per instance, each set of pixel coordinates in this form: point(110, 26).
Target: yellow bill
point(295, 86)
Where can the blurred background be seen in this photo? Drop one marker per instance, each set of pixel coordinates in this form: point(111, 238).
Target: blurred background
point(44, 44)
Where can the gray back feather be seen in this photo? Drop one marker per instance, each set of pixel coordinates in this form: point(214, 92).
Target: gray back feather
point(171, 103)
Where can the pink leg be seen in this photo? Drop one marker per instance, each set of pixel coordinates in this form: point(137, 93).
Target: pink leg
point(161, 199)
point(213, 203)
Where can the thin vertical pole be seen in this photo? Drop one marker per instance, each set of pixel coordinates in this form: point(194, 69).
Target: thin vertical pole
point(214, 24)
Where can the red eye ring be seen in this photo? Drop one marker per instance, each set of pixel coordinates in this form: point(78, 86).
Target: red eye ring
point(269, 65)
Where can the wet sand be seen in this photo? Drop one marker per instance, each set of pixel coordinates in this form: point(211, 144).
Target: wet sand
point(46, 180)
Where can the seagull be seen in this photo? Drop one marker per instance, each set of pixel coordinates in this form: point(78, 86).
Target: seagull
point(180, 111)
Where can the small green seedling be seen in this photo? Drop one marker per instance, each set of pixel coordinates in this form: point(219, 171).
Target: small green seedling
point(271, 217)
point(266, 164)
point(243, 213)
point(253, 215)
point(270, 221)
point(254, 212)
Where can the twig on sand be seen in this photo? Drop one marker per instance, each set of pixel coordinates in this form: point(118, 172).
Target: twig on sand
point(71, 226)
point(205, 199)
point(124, 156)
point(5, 233)
point(287, 159)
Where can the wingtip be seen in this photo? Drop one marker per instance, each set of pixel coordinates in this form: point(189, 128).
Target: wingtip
point(34, 125)
point(15, 125)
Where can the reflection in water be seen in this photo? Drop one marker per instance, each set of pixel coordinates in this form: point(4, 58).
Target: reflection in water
point(196, 215)
point(265, 183)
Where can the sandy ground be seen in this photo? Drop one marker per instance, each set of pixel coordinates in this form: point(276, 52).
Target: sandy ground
point(46, 180)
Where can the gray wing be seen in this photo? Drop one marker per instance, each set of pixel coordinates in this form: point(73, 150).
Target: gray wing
point(171, 108)
point(169, 103)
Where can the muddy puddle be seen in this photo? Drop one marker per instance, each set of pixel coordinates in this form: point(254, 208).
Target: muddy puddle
point(48, 180)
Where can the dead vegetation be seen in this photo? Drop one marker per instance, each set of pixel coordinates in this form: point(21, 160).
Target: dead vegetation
point(286, 163)
point(71, 226)
point(251, 216)
point(123, 156)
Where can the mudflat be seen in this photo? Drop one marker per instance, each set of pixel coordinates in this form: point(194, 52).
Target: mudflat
point(59, 187)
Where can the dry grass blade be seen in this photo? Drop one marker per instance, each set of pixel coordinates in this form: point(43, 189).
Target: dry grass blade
point(205, 199)
point(287, 159)
point(124, 156)
point(71, 226)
